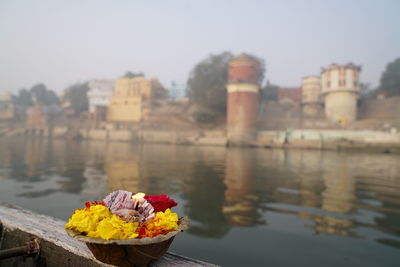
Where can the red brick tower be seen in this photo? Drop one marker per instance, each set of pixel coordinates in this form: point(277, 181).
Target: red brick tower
point(243, 86)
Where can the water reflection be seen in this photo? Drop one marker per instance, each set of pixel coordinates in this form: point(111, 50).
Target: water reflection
point(241, 204)
point(328, 192)
point(205, 197)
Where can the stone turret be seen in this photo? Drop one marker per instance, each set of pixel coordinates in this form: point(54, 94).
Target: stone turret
point(243, 87)
point(340, 90)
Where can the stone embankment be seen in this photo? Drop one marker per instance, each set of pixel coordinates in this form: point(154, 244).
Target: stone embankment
point(373, 141)
point(368, 140)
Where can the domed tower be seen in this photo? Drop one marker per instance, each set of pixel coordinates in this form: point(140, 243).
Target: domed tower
point(243, 87)
point(311, 99)
point(340, 89)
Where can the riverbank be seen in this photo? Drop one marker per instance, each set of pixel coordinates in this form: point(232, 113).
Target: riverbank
point(357, 140)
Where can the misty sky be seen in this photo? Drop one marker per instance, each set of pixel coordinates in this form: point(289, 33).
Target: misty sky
point(63, 42)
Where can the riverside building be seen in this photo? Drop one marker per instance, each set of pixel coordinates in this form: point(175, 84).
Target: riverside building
point(242, 105)
point(340, 89)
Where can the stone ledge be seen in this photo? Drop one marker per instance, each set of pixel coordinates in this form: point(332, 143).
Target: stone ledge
point(18, 226)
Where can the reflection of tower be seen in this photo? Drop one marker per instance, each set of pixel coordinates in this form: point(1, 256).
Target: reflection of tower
point(244, 73)
point(311, 184)
point(240, 206)
point(338, 198)
point(339, 194)
point(340, 89)
point(311, 90)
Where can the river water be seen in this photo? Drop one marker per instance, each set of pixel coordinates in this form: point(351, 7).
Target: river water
point(247, 207)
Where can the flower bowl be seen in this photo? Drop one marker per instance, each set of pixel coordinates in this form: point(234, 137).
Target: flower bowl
point(131, 252)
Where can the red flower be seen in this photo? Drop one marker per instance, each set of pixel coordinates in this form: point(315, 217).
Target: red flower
point(88, 203)
point(161, 202)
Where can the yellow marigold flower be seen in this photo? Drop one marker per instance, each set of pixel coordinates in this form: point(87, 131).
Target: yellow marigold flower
point(98, 221)
point(85, 220)
point(114, 228)
point(166, 220)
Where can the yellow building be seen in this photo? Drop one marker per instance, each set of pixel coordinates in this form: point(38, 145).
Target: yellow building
point(131, 99)
point(311, 91)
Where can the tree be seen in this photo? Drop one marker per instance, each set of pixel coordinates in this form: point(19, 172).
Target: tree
point(43, 96)
point(23, 99)
point(76, 96)
point(390, 80)
point(130, 74)
point(269, 92)
point(37, 94)
point(207, 81)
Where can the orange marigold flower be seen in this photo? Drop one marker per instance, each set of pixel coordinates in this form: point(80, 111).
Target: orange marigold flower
point(162, 223)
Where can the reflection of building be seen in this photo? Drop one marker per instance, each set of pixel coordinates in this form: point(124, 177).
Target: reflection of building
point(311, 185)
point(122, 174)
point(339, 194)
point(131, 99)
point(311, 91)
point(291, 95)
point(100, 92)
point(243, 87)
point(340, 88)
point(240, 205)
point(338, 197)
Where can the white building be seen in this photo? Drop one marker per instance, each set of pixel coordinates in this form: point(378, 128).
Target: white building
point(100, 93)
point(340, 89)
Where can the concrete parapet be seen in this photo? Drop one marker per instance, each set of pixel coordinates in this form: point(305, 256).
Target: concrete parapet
point(215, 133)
point(158, 137)
point(97, 134)
point(266, 138)
point(121, 135)
point(59, 131)
point(330, 139)
point(212, 141)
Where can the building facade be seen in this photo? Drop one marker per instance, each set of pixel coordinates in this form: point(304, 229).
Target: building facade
point(177, 90)
point(100, 93)
point(311, 95)
point(340, 90)
point(242, 105)
point(289, 94)
point(130, 101)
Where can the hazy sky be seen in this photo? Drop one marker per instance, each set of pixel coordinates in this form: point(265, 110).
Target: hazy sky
point(63, 42)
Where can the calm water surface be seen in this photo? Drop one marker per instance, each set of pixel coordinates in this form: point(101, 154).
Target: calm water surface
point(248, 207)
